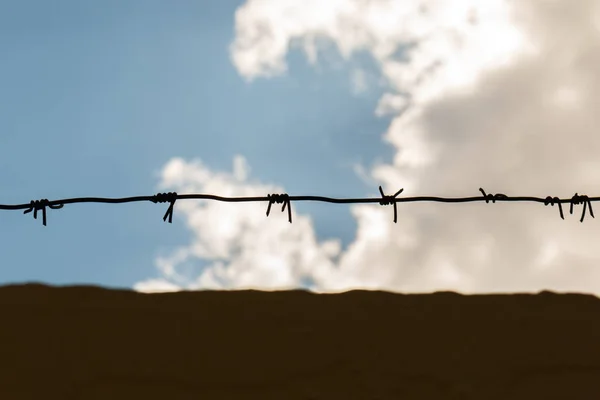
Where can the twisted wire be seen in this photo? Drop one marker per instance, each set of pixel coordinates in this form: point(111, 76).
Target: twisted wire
point(286, 199)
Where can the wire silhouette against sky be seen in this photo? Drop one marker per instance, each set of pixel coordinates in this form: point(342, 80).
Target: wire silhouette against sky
point(171, 197)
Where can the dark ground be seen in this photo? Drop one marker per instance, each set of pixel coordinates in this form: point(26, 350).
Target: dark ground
point(94, 343)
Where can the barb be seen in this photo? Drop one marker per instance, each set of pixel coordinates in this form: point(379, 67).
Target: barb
point(171, 197)
point(386, 200)
point(492, 197)
point(577, 199)
point(280, 198)
point(551, 200)
point(36, 205)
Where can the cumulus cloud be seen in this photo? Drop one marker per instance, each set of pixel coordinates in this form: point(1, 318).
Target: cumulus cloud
point(429, 45)
point(497, 94)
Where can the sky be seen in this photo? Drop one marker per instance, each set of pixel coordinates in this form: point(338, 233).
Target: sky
point(246, 98)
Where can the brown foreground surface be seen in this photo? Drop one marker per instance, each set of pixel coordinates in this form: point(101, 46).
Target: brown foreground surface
point(94, 343)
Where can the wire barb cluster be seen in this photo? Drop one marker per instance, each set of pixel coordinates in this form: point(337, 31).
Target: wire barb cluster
point(280, 198)
point(385, 200)
point(170, 197)
point(285, 199)
point(37, 205)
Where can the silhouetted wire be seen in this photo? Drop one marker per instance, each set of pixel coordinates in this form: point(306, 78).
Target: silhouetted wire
point(171, 197)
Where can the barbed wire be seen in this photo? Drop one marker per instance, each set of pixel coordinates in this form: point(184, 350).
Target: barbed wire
point(171, 197)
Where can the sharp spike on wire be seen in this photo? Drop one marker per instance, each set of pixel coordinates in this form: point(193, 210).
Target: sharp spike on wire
point(280, 198)
point(170, 197)
point(492, 197)
point(554, 200)
point(37, 205)
point(581, 199)
point(386, 200)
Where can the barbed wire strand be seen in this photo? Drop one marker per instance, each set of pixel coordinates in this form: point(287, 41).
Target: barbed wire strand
point(171, 197)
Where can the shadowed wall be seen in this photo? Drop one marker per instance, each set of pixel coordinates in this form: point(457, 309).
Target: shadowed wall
point(94, 343)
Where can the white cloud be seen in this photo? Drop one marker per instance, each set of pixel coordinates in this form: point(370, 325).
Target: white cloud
point(391, 104)
point(497, 94)
point(447, 44)
point(156, 286)
point(359, 81)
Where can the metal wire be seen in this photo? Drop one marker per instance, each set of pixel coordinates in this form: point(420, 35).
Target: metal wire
point(171, 197)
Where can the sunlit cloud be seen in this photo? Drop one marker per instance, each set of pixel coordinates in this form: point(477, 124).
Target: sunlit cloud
point(501, 95)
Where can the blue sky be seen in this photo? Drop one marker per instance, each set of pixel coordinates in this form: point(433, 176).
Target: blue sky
point(97, 98)
point(308, 97)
